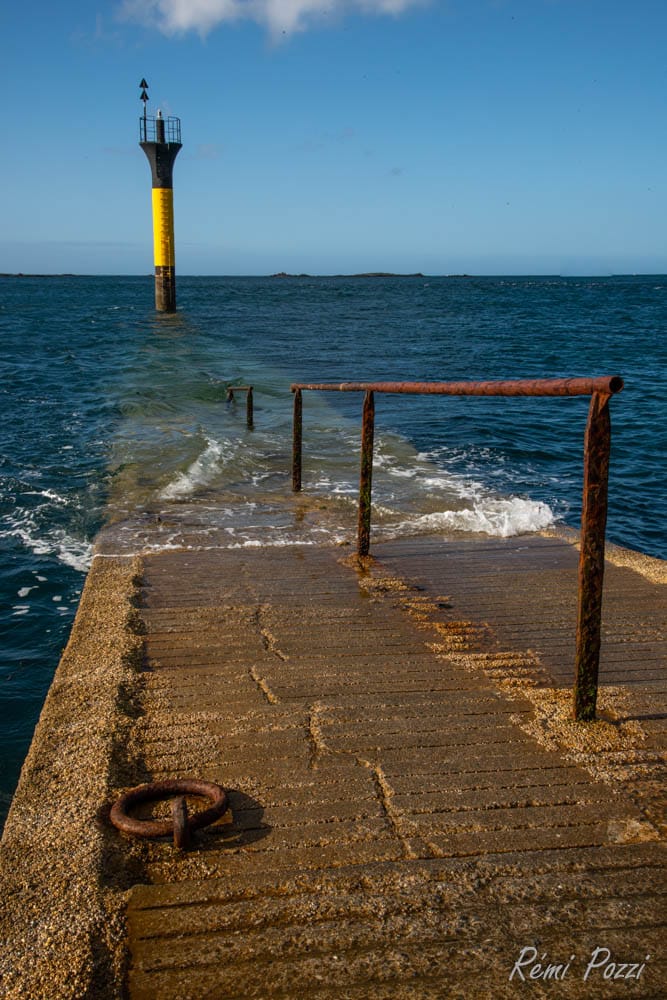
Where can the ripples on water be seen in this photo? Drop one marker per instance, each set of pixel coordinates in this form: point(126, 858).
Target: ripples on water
point(108, 407)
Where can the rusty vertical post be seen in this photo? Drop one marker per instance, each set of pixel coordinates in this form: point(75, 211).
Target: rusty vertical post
point(366, 475)
point(296, 441)
point(597, 446)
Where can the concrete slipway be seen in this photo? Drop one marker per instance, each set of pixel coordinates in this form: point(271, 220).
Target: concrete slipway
point(413, 815)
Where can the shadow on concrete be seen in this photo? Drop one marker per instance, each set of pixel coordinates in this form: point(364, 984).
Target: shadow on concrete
point(243, 827)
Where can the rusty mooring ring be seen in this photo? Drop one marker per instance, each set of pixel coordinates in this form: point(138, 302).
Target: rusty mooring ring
point(181, 823)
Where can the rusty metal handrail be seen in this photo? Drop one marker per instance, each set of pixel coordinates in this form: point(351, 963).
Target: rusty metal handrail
point(597, 444)
point(509, 387)
point(249, 401)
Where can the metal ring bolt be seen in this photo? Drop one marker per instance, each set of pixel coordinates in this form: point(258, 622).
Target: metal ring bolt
point(181, 823)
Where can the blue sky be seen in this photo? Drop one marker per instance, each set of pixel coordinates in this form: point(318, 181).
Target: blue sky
point(479, 136)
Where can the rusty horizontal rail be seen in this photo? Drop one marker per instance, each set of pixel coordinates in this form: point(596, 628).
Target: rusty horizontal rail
point(597, 446)
point(513, 387)
point(249, 401)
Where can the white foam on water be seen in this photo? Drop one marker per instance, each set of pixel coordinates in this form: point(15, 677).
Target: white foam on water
point(73, 552)
point(273, 543)
point(33, 527)
point(24, 591)
point(500, 518)
point(324, 484)
point(402, 473)
point(49, 494)
point(413, 493)
point(248, 543)
point(418, 492)
point(457, 486)
point(202, 472)
point(20, 609)
point(421, 475)
point(158, 547)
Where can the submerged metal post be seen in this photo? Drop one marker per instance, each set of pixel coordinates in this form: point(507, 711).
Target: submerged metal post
point(249, 401)
point(366, 475)
point(297, 435)
point(597, 446)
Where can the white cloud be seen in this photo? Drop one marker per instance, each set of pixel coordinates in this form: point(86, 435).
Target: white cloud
point(278, 16)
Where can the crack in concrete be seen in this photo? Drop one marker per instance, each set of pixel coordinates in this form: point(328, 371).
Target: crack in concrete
point(264, 686)
point(394, 816)
point(399, 825)
point(268, 639)
point(318, 746)
point(271, 646)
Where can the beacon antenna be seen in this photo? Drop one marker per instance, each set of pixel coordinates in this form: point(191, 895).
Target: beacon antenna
point(160, 139)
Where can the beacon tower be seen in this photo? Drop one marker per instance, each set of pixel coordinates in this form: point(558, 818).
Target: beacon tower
point(160, 139)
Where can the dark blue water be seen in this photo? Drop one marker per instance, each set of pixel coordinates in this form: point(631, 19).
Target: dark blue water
point(110, 411)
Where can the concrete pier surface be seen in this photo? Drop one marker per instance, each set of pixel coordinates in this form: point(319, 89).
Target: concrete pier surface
point(413, 812)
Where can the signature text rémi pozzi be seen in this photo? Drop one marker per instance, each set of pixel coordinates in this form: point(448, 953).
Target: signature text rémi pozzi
point(531, 965)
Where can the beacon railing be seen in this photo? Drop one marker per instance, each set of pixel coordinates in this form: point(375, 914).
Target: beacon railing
point(597, 443)
point(159, 129)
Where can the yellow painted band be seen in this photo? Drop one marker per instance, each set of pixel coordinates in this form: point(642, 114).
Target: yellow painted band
point(163, 227)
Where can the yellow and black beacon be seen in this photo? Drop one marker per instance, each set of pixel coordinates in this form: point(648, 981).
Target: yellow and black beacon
point(160, 139)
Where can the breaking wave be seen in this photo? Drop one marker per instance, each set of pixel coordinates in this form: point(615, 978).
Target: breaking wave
point(502, 518)
point(202, 472)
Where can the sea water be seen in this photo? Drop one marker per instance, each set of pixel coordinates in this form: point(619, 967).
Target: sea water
point(113, 413)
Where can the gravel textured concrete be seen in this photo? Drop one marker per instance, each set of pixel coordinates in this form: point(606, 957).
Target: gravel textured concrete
point(413, 815)
point(62, 878)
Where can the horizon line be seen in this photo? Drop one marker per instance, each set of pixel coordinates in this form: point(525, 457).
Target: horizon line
point(359, 274)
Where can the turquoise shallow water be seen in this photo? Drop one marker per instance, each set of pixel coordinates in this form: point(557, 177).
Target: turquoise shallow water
point(107, 407)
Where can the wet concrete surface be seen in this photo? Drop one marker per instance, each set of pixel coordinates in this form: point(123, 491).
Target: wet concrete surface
point(397, 827)
point(413, 812)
